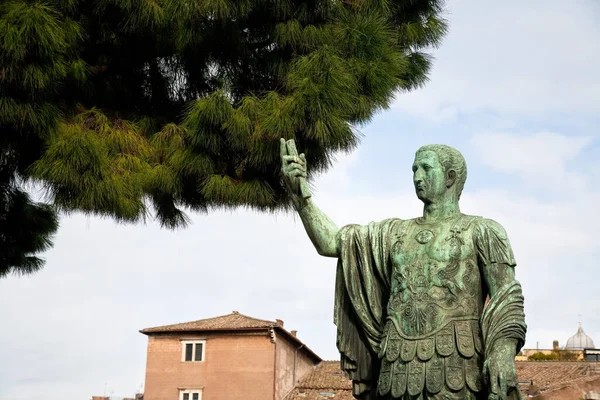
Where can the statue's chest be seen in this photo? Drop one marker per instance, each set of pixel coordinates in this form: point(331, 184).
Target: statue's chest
point(440, 243)
point(435, 274)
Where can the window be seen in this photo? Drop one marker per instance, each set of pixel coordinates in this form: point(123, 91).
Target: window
point(190, 394)
point(193, 351)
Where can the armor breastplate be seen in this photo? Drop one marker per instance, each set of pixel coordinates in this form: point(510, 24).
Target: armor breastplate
point(435, 278)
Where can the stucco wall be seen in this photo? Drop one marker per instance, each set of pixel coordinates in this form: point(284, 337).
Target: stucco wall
point(235, 367)
point(286, 350)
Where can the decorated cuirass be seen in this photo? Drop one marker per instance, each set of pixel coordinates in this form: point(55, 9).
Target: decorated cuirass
point(435, 278)
point(432, 340)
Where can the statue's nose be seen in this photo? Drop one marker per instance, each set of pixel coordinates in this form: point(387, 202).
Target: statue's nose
point(418, 178)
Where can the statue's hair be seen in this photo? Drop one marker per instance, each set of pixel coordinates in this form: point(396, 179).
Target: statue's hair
point(451, 159)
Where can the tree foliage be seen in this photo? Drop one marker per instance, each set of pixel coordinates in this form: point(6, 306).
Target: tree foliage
point(131, 108)
point(555, 355)
point(539, 356)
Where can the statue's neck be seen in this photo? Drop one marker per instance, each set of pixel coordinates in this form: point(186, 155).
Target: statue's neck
point(442, 210)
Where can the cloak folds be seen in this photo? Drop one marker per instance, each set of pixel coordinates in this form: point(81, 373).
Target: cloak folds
point(504, 318)
point(361, 295)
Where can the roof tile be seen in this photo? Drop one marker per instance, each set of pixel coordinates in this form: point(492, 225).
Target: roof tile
point(316, 394)
point(551, 375)
point(232, 321)
point(327, 381)
point(326, 375)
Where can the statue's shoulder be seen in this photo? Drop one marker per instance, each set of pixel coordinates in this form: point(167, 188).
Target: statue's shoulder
point(388, 223)
point(383, 225)
point(492, 242)
point(401, 223)
point(485, 226)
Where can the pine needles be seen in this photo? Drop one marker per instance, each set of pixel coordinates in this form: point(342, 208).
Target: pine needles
point(138, 107)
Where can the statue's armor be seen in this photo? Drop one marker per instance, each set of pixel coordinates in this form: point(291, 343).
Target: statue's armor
point(432, 339)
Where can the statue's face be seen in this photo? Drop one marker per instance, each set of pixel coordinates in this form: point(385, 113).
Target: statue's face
point(429, 177)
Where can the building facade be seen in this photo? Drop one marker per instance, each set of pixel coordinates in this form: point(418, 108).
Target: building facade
point(227, 357)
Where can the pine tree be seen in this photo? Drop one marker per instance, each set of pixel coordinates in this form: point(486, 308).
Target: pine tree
point(132, 108)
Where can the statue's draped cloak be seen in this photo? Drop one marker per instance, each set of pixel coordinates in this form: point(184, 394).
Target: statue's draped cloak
point(364, 274)
point(361, 295)
point(492, 244)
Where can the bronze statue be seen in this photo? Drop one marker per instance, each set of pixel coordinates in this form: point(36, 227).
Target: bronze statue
point(410, 294)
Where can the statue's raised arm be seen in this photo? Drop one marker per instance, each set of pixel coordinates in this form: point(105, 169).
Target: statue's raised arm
point(321, 230)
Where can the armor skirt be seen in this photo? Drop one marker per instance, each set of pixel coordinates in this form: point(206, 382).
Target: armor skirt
point(446, 365)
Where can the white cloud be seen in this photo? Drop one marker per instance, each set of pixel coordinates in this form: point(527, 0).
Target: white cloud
point(528, 58)
point(541, 159)
point(338, 178)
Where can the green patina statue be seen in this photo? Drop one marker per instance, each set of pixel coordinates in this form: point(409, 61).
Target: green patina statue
point(410, 294)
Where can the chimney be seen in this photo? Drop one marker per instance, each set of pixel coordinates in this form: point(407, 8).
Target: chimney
point(279, 322)
point(555, 345)
point(294, 333)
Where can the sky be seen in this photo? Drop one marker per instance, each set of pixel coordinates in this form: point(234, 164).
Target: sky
point(515, 87)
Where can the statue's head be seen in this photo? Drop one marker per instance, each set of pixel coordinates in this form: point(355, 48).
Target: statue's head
point(439, 172)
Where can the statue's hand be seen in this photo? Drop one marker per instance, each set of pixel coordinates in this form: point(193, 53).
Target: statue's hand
point(499, 368)
point(293, 168)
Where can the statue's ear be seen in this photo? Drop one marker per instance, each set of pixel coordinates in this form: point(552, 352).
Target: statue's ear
point(450, 178)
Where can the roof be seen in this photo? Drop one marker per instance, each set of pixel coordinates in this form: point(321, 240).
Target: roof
point(326, 375)
point(315, 394)
point(230, 322)
point(553, 375)
point(326, 380)
point(579, 341)
point(233, 321)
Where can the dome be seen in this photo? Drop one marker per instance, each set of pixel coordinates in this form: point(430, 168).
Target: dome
point(579, 341)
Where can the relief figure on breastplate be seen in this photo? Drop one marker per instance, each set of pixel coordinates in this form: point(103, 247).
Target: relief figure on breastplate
point(410, 293)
